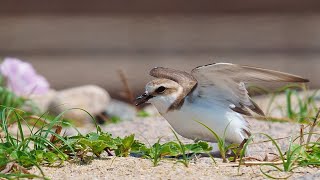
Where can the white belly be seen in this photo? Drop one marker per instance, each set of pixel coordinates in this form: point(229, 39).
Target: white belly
point(222, 120)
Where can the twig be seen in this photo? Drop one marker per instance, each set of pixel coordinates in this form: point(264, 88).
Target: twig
point(266, 118)
point(301, 134)
point(251, 163)
point(270, 140)
point(108, 152)
point(251, 158)
point(10, 166)
point(312, 126)
point(276, 158)
point(24, 170)
point(276, 139)
point(124, 80)
point(57, 131)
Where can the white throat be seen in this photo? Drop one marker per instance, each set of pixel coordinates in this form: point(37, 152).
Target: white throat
point(163, 102)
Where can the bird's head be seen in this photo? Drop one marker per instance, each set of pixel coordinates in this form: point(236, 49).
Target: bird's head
point(170, 87)
point(161, 93)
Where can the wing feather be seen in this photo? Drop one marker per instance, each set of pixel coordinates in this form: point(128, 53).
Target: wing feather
point(225, 82)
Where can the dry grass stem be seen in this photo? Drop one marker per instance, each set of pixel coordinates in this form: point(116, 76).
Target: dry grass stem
point(268, 118)
point(250, 163)
point(314, 124)
point(57, 131)
point(301, 134)
point(127, 89)
point(11, 166)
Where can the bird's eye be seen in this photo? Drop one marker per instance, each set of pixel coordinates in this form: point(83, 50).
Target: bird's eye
point(160, 89)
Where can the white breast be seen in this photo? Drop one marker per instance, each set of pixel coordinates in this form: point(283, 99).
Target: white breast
point(216, 116)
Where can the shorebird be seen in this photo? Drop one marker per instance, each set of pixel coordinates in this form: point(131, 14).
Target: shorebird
point(213, 94)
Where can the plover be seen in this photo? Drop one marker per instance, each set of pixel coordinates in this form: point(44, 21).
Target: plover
point(213, 94)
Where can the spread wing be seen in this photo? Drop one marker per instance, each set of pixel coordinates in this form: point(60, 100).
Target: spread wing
point(225, 82)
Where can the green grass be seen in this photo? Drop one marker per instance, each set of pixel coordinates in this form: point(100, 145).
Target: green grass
point(27, 151)
point(222, 145)
point(300, 112)
point(298, 154)
point(306, 106)
point(156, 152)
point(43, 145)
point(304, 112)
point(9, 99)
point(182, 150)
point(143, 113)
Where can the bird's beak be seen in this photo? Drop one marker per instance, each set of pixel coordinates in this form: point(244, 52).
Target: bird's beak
point(143, 98)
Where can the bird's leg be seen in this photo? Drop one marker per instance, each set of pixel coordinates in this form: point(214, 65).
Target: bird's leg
point(236, 154)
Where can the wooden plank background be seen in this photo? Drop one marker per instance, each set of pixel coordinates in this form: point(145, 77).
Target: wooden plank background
point(76, 43)
point(157, 6)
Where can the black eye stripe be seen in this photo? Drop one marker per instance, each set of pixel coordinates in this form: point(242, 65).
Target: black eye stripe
point(160, 89)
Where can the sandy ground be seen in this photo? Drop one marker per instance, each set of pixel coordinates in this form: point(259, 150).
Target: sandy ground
point(136, 168)
point(150, 129)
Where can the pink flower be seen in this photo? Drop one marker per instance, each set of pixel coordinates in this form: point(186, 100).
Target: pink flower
point(21, 78)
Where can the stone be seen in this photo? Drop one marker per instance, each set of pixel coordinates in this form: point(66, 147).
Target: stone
point(40, 103)
point(91, 98)
point(121, 109)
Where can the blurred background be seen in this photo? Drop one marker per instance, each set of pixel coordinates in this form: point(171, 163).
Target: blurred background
point(79, 42)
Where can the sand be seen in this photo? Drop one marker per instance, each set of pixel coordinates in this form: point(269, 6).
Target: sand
point(149, 129)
